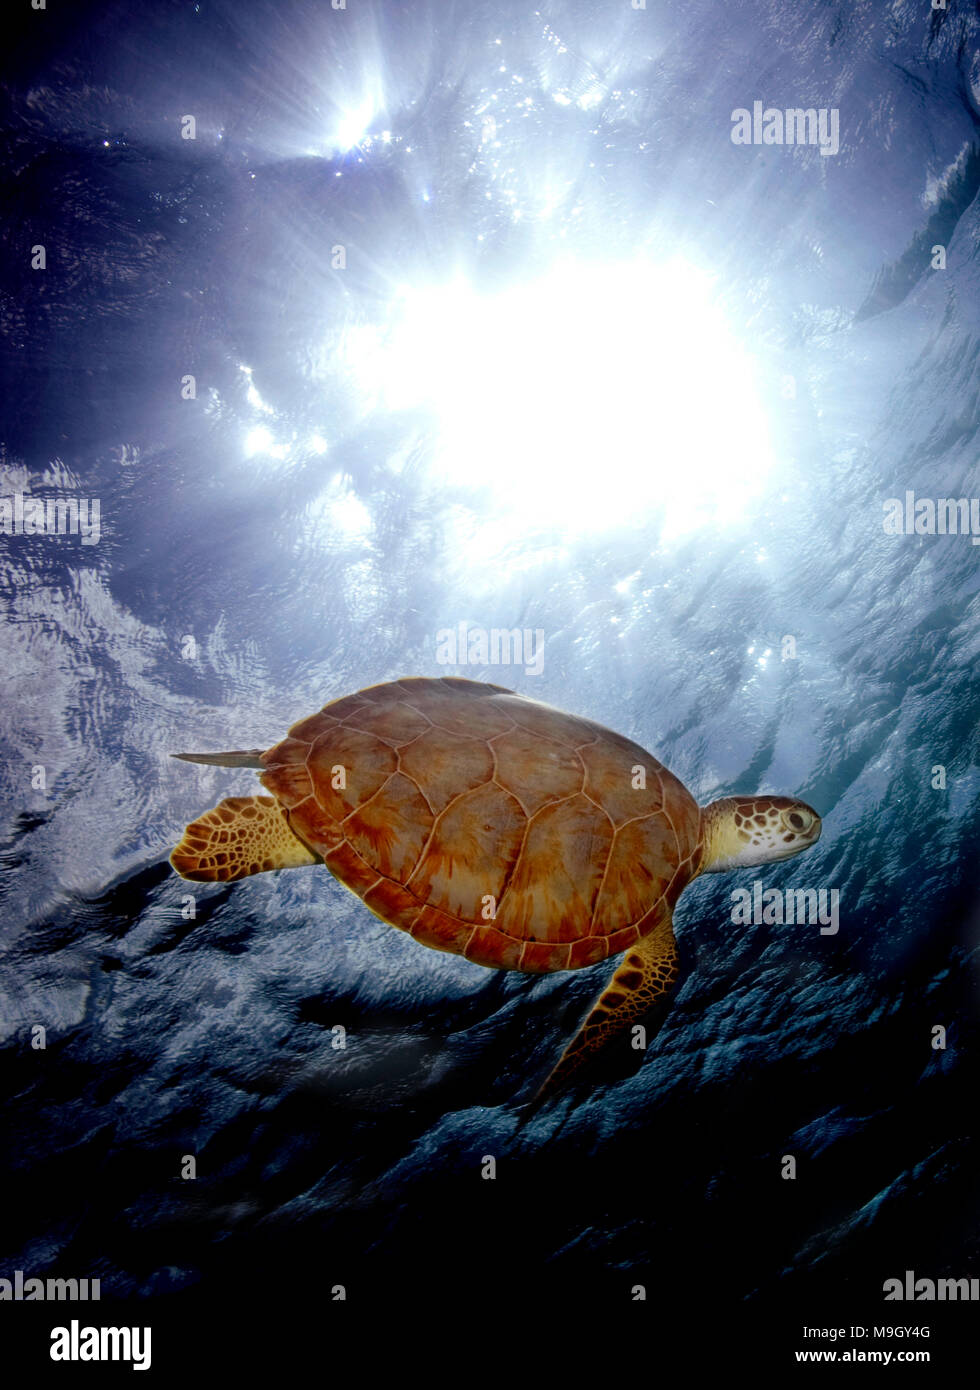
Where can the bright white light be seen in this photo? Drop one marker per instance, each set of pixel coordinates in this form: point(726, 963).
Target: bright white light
point(582, 400)
point(353, 126)
point(350, 516)
point(260, 441)
point(257, 441)
point(255, 400)
point(318, 444)
point(251, 393)
point(340, 513)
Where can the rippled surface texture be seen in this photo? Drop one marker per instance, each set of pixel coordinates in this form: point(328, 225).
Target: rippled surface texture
point(476, 314)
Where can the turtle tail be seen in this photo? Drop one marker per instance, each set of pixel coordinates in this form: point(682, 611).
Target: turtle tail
point(252, 757)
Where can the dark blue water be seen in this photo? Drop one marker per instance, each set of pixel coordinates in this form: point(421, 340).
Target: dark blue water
point(489, 321)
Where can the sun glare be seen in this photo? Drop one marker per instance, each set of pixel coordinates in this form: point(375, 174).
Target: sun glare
point(583, 399)
point(353, 125)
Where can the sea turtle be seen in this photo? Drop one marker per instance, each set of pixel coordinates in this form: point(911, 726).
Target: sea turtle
point(488, 824)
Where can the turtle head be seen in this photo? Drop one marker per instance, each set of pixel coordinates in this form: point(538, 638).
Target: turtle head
point(741, 832)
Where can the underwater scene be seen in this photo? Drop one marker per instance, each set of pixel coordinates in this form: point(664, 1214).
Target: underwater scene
point(523, 460)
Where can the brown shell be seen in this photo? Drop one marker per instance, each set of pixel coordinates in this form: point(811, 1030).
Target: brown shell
point(488, 824)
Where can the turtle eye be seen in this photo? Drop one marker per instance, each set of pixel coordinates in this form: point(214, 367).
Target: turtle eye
point(798, 820)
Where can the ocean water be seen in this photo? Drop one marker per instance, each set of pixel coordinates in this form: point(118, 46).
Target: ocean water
point(360, 325)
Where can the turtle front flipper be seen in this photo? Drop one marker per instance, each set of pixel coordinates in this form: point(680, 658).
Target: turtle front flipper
point(645, 979)
point(243, 835)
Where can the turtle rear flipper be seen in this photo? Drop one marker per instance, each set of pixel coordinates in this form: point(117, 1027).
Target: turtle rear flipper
point(644, 981)
point(242, 835)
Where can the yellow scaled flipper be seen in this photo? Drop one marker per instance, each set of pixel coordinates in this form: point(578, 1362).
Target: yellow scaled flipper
point(645, 980)
point(243, 835)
